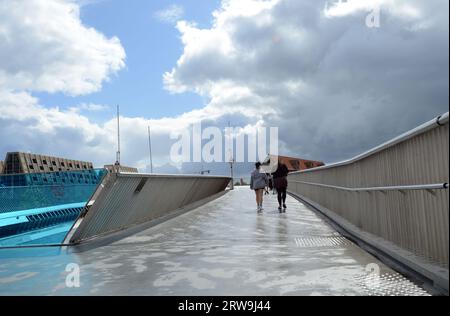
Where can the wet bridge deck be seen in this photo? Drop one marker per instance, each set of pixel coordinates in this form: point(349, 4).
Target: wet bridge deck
point(221, 248)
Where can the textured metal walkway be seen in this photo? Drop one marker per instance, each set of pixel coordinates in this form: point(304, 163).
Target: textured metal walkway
point(221, 248)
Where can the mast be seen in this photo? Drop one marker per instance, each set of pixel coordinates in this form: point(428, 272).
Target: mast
point(231, 158)
point(118, 137)
point(150, 149)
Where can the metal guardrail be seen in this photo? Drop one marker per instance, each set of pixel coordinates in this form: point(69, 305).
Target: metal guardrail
point(437, 186)
point(401, 174)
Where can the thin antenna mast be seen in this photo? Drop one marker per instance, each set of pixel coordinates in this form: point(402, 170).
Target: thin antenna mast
point(118, 137)
point(150, 149)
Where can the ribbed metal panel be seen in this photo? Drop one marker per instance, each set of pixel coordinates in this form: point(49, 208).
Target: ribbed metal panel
point(416, 220)
point(126, 200)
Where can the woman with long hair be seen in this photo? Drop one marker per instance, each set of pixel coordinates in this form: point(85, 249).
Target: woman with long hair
point(258, 181)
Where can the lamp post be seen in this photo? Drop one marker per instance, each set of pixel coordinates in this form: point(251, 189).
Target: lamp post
point(150, 149)
point(231, 172)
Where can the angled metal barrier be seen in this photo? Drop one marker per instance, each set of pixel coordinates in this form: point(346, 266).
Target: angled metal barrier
point(125, 200)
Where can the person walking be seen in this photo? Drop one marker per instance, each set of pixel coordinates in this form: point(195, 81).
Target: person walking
point(258, 182)
point(280, 183)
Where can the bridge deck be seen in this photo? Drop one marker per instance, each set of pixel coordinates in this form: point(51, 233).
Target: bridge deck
point(221, 248)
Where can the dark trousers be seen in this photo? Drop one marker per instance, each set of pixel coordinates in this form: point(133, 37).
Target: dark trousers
point(281, 195)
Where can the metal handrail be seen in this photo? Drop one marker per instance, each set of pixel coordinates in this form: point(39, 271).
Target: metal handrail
point(162, 175)
point(438, 121)
point(435, 186)
point(47, 185)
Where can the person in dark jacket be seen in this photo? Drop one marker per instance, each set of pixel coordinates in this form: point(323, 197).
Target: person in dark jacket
point(258, 181)
point(280, 183)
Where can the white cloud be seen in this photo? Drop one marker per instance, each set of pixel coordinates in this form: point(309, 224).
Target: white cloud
point(46, 47)
point(171, 14)
point(25, 125)
point(400, 8)
point(28, 126)
point(343, 8)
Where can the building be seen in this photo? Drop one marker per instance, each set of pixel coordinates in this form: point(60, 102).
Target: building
point(25, 169)
point(125, 169)
point(270, 164)
point(23, 163)
point(1, 166)
point(297, 164)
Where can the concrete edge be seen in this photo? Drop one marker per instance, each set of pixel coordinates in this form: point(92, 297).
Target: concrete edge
point(111, 237)
point(435, 278)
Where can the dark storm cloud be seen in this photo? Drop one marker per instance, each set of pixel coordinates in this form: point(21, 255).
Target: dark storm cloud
point(337, 86)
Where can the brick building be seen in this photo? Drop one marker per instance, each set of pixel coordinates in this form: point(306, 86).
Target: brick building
point(297, 164)
point(270, 164)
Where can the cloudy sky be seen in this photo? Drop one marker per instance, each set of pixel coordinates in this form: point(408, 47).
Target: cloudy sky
point(334, 86)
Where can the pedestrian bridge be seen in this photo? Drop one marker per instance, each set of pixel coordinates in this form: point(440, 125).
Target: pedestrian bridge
point(376, 224)
point(221, 248)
